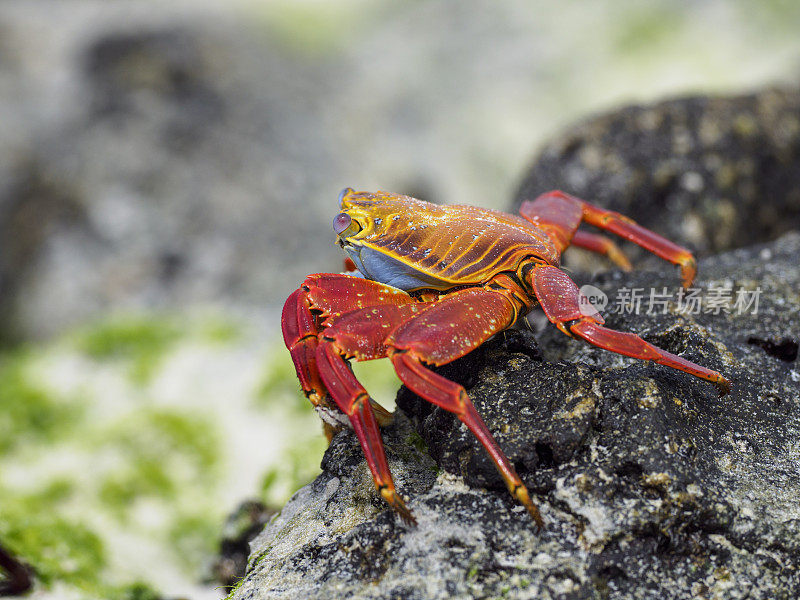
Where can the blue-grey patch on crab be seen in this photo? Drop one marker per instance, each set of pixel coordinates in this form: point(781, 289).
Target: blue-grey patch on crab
point(379, 267)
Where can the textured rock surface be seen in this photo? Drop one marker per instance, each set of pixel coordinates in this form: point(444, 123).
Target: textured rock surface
point(715, 173)
point(650, 484)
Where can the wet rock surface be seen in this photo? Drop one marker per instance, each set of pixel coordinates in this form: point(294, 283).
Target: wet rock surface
point(651, 485)
point(713, 173)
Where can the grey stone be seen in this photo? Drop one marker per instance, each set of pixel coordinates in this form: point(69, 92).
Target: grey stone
point(650, 484)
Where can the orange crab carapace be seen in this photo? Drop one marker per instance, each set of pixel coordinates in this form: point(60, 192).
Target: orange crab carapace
point(435, 282)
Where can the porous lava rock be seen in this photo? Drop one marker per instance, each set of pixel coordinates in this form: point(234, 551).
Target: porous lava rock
point(650, 483)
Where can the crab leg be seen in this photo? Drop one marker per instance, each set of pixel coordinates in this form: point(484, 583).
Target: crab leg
point(353, 400)
point(600, 244)
point(561, 301)
point(360, 334)
point(448, 330)
point(560, 214)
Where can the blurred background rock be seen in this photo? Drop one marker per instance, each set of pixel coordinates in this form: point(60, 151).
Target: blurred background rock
point(191, 154)
point(168, 174)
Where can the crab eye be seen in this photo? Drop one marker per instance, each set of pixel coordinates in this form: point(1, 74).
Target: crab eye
point(341, 223)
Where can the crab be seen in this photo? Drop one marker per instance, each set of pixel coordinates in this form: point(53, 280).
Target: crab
point(431, 284)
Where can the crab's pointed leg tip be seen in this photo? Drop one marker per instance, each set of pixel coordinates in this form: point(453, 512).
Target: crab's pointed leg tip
point(409, 520)
point(688, 272)
point(724, 386)
point(405, 515)
point(618, 258)
point(537, 518)
point(394, 500)
point(520, 493)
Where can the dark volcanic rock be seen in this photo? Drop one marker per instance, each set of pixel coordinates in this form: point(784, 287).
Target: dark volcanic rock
point(651, 485)
point(714, 173)
point(241, 527)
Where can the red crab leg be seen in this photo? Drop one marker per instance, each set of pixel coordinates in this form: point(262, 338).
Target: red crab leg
point(560, 299)
point(600, 244)
point(448, 330)
point(353, 400)
point(360, 334)
point(560, 214)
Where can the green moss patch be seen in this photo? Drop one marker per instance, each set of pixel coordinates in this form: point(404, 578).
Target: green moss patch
point(142, 341)
point(28, 412)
